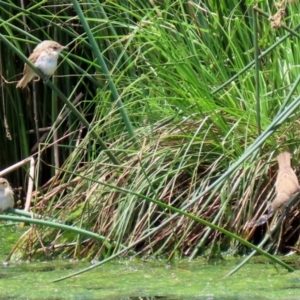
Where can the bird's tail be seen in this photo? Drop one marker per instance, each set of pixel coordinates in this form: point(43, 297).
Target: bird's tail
point(25, 79)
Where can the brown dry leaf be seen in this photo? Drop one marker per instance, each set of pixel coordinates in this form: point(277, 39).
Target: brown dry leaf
point(277, 18)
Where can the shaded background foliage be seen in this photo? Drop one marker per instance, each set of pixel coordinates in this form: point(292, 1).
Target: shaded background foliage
point(167, 60)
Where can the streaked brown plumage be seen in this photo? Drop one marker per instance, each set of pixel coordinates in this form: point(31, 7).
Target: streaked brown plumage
point(286, 187)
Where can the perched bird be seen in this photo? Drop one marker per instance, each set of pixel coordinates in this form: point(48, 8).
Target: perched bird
point(6, 195)
point(286, 187)
point(44, 57)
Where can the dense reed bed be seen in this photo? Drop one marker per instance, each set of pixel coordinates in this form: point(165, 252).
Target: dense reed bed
point(176, 104)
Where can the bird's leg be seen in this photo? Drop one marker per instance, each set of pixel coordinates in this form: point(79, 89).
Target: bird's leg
point(46, 79)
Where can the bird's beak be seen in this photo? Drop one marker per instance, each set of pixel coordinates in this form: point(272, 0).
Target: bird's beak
point(64, 47)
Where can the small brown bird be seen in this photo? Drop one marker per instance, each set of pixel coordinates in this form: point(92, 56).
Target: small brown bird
point(286, 187)
point(6, 195)
point(44, 57)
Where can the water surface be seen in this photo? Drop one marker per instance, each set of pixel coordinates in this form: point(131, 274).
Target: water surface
point(152, 279)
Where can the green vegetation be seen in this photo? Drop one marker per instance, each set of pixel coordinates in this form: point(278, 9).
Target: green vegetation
point(137, 134)
point(149, 279)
